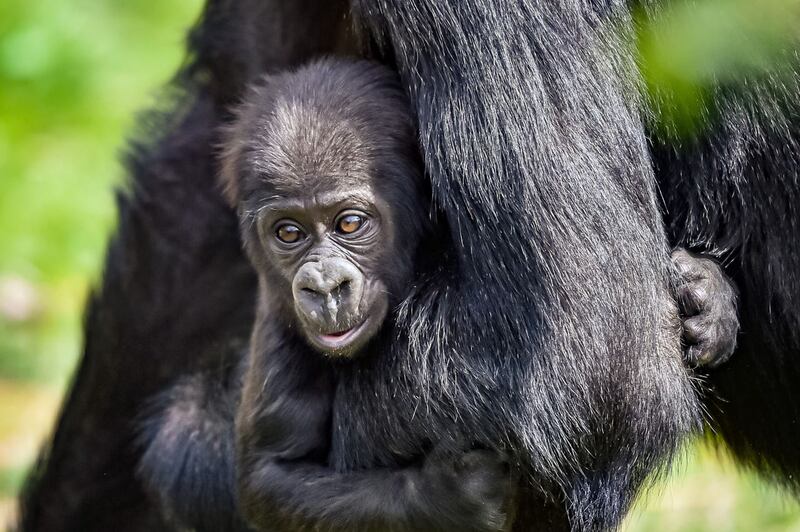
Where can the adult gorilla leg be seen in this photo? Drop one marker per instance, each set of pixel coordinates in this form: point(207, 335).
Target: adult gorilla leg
point(177, 293)
point(531, 132)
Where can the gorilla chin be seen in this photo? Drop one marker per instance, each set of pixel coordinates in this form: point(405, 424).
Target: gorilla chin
point(349, 340)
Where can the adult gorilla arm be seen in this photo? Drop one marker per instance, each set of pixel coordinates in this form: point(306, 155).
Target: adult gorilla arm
point(531, 132)
point(584, 390)
point(177, 293)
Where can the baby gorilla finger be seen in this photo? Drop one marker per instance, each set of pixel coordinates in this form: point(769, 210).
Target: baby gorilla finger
point(693, 297)
point(710, 344)
point(707, 301)
point(488, 478)
point(689, 266)
point(696, 330)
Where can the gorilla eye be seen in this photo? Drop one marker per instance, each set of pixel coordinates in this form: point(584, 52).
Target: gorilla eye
point(349, 224)
point(289, 233)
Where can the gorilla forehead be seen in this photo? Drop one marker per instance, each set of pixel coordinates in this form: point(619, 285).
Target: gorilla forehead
point(304, 147)
point(332, 123)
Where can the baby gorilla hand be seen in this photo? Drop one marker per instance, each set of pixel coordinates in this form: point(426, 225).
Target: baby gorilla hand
point(481, 482)
point(707, 301)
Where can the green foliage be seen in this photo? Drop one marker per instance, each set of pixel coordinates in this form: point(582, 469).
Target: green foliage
point(10, 480)
point(706, 492)
point(71, 76)
point(693, 46)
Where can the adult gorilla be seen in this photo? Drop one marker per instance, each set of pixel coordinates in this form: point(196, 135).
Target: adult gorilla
point(530, 127)
point(732, 190)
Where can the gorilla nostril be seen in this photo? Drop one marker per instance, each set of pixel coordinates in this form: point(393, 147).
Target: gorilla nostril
point(342, 291)
point(328, 288)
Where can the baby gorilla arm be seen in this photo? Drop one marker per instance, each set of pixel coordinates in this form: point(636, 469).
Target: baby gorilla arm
point(283, 433)
point(707, 301)
point(466, 494)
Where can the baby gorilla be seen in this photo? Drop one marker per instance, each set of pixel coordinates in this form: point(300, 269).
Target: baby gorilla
point(322, 165)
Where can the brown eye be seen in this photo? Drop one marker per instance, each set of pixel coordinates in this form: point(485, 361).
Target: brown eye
point(349, 224)
point(289, 233)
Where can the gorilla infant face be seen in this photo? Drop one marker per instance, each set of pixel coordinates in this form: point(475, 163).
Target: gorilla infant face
point(333, 246)
point(323, 166)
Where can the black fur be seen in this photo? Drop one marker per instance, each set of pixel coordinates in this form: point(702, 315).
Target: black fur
point(188, 458)
point(284, 421)
point(550, 331)
point(144, 328)
point(733, 191)
point(556, 96)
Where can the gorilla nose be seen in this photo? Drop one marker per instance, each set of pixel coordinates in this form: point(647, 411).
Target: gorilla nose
point(328, 291)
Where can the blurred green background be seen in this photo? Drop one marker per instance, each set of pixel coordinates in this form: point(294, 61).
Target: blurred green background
point(72, 76)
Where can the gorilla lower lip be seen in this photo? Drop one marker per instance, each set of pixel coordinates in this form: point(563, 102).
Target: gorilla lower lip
point(338, 334)
point(340, 339)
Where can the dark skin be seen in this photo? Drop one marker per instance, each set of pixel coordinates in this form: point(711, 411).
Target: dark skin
point(707, 299)
point(327, 243)
point(322, 247)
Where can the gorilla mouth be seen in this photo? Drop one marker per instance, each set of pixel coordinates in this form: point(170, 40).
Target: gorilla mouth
point(340, 339)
